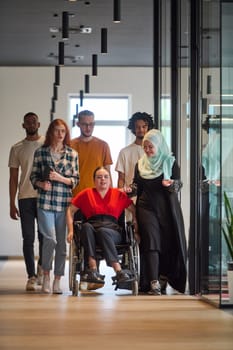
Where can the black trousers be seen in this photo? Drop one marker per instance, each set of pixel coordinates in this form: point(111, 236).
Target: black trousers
point(106, 238)
point(28, 218)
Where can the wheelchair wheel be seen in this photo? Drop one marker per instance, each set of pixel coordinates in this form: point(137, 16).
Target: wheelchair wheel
point(75, 288)
point(135, 287)
point(135, 253)
point(136, 256)
point(72, 265)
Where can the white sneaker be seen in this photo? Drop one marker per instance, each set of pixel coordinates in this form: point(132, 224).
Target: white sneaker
point(46, 284)
point(31, 284)
point(39, 275)
point(56, 286)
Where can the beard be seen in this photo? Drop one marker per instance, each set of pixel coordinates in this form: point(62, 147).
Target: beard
point(32, 132)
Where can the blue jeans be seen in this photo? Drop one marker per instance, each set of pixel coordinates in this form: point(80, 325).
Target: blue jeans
point(28, 215)
point(53, 227)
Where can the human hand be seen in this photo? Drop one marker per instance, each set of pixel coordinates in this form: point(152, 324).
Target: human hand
point(167, 183)
point(14, 213)
point(217, 183)
point(127, 189)
point(46, 185)
point(69, 237)
point(54, 176)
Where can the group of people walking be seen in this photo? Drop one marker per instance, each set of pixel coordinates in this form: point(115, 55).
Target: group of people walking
point(61, 177)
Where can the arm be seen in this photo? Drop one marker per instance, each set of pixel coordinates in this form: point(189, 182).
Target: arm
point(174, 184)
point(132, 209)
point(54, 176)
point(71, 210)
point(70, 179)
point(121, 180)
point(13, 186)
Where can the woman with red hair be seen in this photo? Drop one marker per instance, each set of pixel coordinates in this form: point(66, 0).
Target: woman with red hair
point(55, 173)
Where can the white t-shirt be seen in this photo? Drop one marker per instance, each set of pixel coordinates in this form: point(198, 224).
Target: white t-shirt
point(127, 159)
point(21, 157)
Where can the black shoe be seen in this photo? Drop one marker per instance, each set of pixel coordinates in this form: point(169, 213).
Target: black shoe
point(93, 276)
point(163, 284)
point(122, 276)
point(155, 288)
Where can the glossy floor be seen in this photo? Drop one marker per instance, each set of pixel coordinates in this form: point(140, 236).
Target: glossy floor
point(105, 319)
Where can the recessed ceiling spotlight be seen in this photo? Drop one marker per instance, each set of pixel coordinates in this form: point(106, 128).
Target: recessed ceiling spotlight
point(79, 58)
point(54, 30)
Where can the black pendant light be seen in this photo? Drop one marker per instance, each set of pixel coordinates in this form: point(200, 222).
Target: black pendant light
point(104, 40)
point(94, 64)
point(57, 75)
point(86, 83)
point(81, 97)
point(208, 85)
point(65, 25)
point(53, 106)
point(61, 53)
point(116, 11)
point(55, 92)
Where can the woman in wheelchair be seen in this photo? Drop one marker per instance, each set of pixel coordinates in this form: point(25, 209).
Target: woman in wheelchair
point(101, 206)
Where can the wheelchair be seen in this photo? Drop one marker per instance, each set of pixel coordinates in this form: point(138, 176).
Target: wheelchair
point(128, 254)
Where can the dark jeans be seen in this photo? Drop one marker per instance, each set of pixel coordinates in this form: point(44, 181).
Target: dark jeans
point(28, 215)
point(106, 238)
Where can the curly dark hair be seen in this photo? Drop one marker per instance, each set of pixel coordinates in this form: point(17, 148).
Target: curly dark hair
point(147, 118)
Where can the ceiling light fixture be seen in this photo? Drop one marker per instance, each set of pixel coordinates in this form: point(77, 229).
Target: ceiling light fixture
point(61, 53)
point(86, 83)
point(116, 11)
point(57, 75)
point(208, 85)
point(55, 91)
point(104, 40)
point(94, 64)
point(53, 106)
point(73, 30)
point(65, 25)
point(81, 97)
point(51, 116)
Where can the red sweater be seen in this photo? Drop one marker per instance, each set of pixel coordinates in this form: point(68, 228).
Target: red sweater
point(91, 203)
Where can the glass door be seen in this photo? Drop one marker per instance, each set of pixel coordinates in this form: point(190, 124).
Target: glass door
point(226, 143)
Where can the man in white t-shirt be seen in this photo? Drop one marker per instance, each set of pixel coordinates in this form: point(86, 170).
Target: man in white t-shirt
point(20, 163)
point(139, 124)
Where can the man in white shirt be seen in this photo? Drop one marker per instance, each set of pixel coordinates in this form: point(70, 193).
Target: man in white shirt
point(139, 124)
point(20, 162)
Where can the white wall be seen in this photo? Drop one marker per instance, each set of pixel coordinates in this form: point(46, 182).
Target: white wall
point(24, 89)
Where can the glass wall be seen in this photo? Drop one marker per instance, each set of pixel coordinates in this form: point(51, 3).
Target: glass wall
point(217, 148)
point(210, 189)
point(197, 79)
point(227, 144)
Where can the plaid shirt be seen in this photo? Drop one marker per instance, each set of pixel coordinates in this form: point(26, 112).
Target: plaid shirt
point(60, 195)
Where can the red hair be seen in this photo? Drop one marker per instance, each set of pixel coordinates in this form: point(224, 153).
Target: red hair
point(50, 132)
